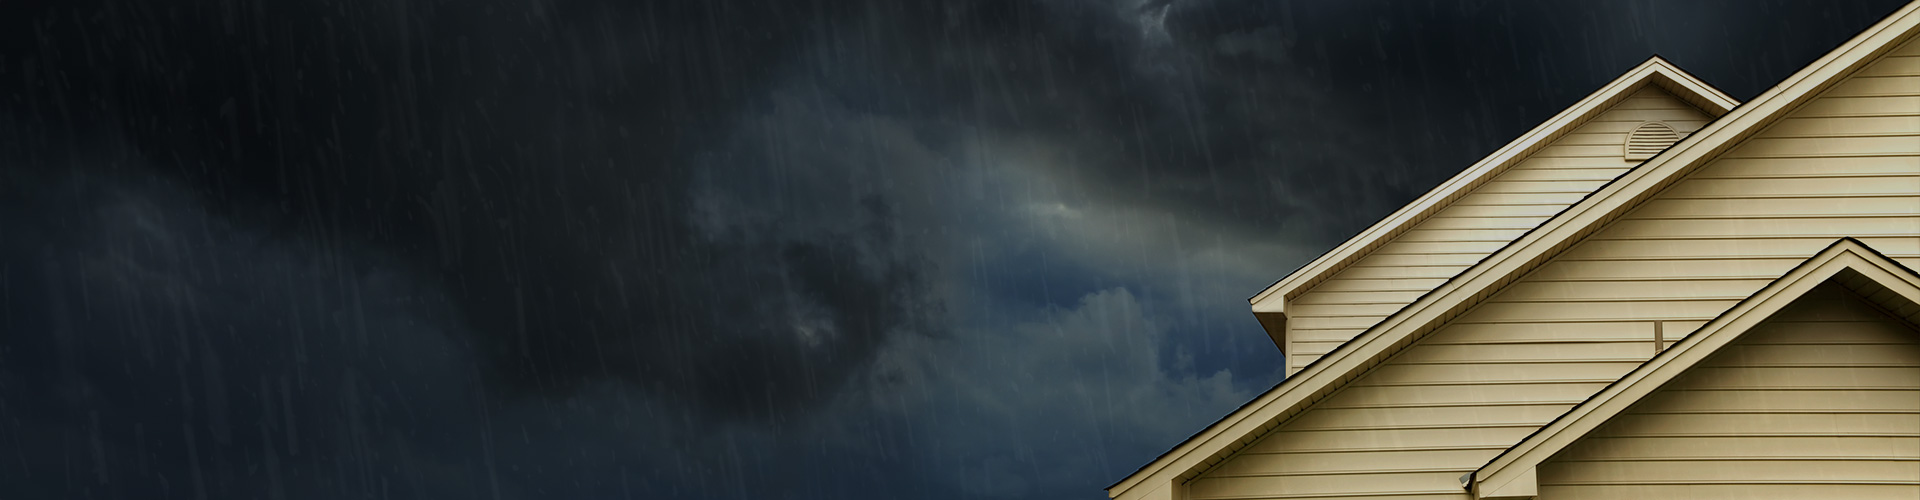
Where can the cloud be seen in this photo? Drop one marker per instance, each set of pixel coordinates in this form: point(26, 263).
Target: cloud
point(590, 224)
point(155, 350)
point(192, 355)
point(1103, 372)
point(710, 249)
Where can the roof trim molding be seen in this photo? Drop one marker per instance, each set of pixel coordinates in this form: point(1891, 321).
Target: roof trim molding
point(1655, 71)
point(1512, 473)
point(1324, 376)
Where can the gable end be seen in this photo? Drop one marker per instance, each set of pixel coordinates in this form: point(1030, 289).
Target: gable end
point(1848, 262)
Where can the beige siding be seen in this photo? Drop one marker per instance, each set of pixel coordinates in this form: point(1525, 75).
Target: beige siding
point(1558, 335)
point(1475, 226)
point(1820, 401)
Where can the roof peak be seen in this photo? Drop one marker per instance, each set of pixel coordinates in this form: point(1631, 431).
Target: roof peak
point(1269, 306)
point(1856, 265)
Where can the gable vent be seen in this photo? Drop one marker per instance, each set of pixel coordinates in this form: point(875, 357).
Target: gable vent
point(1649, 139)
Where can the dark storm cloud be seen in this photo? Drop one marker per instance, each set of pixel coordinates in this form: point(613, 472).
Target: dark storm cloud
point(535, 157)
point(721, 249)
point(154, 351)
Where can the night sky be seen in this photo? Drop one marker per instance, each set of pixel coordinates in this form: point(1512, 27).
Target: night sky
point(371, 249)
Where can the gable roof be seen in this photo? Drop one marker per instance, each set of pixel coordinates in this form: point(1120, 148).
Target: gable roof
point(1269, 305)
point(1319, 379)
point(1848, 261)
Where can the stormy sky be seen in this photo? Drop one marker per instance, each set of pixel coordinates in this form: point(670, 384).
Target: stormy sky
point(332, 249)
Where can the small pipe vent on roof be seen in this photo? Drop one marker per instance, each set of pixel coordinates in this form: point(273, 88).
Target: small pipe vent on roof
point(1649, 139)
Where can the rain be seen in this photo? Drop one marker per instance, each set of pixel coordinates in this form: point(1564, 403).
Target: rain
point(724, 249)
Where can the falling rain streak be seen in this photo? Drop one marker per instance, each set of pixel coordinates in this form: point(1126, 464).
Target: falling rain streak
point(720, 249)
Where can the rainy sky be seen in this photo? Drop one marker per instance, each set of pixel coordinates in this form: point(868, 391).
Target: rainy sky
point(373, 249)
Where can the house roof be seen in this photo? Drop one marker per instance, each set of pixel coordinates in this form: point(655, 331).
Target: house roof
point(1319, 379)
point(1848, 261)
point(1269, 304)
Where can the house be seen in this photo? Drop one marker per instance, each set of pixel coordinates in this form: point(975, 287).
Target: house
point(1658, 293)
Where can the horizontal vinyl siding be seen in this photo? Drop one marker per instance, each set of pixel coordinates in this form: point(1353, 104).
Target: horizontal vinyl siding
point(1474, 226)
point(1437, 411)
point(1564, 331)
point(1824, 397)
point(1746, 492)
point(1414, 425)
point(1763, 207)
point(1701, 246)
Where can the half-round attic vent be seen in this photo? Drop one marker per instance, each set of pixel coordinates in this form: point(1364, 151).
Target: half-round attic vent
point(1649, 139)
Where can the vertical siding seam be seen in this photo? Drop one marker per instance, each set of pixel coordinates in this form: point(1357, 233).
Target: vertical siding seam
point(1659, 337)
